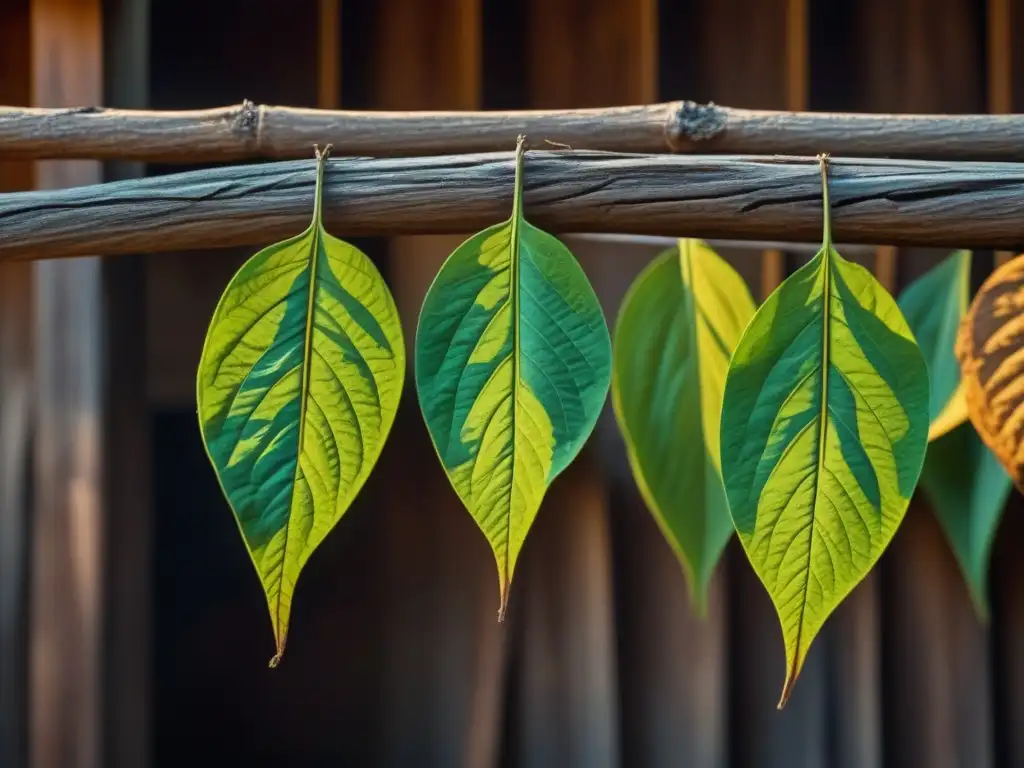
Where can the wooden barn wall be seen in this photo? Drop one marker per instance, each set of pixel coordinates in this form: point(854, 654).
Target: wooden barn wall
point(72, 588)
point(395, 656)
point(68, 531)
point(1005, 93)
point(15, 422)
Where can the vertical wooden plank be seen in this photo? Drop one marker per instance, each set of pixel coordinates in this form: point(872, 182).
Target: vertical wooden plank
point(841, 714)
point(1006, 95)
point(1000, 56)
point(797, 735)
point(581, 55)
point(211, 637)
point(15, 419)
point(429, 57)
point(854, 675)
point(67, 614)
point(1008, 631)
point(444, 646)
point(126, 459)
point(328, 54)
point(590, 54)
point(671, 664)
point(773, 262)
point(797, 58)
point(852, 641)
point(936, 670)
point(566, 642)
point(773, 270)
point(922, 56)
point(15, 480)
point(851, 638)
point(771, 74)
point(15, 82)
point(885, 267)
point(999, 49)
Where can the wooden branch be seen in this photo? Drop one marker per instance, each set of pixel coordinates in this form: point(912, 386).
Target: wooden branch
point(249, 131)
point(874, 201)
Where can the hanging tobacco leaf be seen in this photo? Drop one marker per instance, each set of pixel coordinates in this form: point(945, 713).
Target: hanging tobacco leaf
point(298, 386)
point(934, 305)
point(990, 349)
point(963, 480)
point(824, 428)
point(677, 327)
point(513, 361)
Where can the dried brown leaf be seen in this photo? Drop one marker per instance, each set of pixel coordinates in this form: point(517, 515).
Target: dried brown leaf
point(990, 349)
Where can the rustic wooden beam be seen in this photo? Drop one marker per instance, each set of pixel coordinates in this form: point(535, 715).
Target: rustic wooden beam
point(874, 201)
point(250, 131)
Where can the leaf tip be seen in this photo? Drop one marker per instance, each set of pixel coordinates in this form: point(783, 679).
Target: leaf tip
point(787, 688)
point(979, 599)
point(279, 653)
point(699, 601)
point(503, 605)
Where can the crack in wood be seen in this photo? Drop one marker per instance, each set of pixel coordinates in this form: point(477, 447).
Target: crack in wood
point(896, 202)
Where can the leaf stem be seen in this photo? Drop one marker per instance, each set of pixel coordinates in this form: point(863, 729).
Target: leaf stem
point(517, 195)
point(826, 238)
point(304, 386)
point(517, 219)
point(794, 667)
point(318, 193)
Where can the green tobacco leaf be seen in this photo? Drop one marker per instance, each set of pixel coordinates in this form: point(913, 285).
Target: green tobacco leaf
point(824, 429)
point(933, 306)
point(298, 386)
point(513, 361)
point(968, 489)
point(677, 327)
point(964, 482)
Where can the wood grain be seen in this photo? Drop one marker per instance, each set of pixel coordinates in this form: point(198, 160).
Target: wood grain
point(578, 53)
point(128, 561)
point(898, 202)
point(69, 531)
point(444, 650)
point(936, 673)
point(15, 421)
point(251, 131)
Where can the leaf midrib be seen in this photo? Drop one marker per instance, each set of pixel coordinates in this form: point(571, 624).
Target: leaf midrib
point(692, 310)
point(315, 229)
point(822, 434)
point(304, 389)
point(514, 289)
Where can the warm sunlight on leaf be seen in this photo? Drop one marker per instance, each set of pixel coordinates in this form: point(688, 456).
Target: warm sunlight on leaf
point(298, 387)
point(513, 361)
point(824, 428)
point(676, 329)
